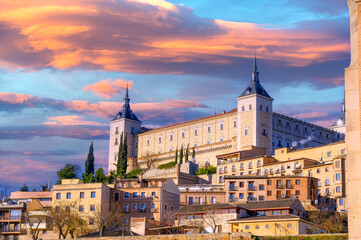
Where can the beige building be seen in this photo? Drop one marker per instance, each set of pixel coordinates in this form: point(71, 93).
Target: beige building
point(251, 123)
point(153, 199)
point(90, 198)
point(326, 164)
point(11, 217)
point(198, 194)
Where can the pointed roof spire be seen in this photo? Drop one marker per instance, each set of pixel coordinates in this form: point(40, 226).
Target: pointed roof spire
point(126, 98)
point(126, 112)
point(255, 70)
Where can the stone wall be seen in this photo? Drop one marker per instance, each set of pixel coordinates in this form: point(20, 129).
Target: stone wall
point(203, 236)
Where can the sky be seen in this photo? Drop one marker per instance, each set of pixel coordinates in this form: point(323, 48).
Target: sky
point(64, 66)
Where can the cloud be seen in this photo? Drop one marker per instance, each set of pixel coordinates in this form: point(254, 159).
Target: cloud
point(38, 153)
point(71, 120)
point(323, 114)
point(148, 37)
point(108, 88)
point(30, 132)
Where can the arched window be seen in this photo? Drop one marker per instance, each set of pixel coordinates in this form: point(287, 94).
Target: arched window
point(250, 107)
point(183, 134)
point(196, 132)
point(171, 136)
point(267, 109)
point(246, 130)
point(160, 139)
point(242, 108)
point(260, 107)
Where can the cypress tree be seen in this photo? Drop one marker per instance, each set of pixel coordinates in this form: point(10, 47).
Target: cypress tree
point(89, 163)
point(181, 156)
point(186, 154)
point(120, 155)
point(125, 154)
point(176, 156)
point(193, 153)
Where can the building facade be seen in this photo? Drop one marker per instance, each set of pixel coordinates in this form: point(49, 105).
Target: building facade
point(251, 123)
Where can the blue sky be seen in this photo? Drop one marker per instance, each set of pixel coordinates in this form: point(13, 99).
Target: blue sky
point(64, 67)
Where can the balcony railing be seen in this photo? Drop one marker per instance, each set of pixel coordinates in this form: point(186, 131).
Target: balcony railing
point(233, 188)
point(289, 186)
point(280, 186)
point(10, 217)
point(252, 199)
point(11, 230)
point(252, 188)
point(142, 210)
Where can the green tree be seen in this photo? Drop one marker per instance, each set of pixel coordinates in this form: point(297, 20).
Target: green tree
point(24, 188)
point(120, 155)
point(89, 163)
point(100, 176)
point(125, 154)
point(176, 156)
point(186, 154)
point(88, 178)
point(181, 156)
point(69, 171)
point(193, 153)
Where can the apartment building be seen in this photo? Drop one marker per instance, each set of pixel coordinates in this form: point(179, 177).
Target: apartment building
point(198, 194)
point(266, 188)
point(11, 217)
point(89, 197)
point(154, 199)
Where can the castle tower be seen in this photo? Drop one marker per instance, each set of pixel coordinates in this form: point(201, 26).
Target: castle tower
point(127, 123)
point(353, 124)
point(340, 124)
point(254, 107)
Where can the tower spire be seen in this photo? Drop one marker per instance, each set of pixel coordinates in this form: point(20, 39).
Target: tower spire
point(126, 98)
point(255, 70)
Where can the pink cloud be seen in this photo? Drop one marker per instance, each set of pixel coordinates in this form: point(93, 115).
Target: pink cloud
point(309, 115)
point(141, 36)
point(71, 120)
point(108, 88)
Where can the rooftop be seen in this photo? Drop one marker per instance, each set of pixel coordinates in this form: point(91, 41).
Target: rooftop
point(264, 218)
point(29, 195)
point(275, 204)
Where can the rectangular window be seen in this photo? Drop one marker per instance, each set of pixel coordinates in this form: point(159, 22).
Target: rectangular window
point(269, 182)
point(269, 193)
point(195, 132)
point(68, 195)
point(126, 195)
point(261, 198)
point(261, 187)
point(135, 195)
point(221, 126)
point(328, 154)
point(92, 207)
point(219, 228)
point(58, 196)
point(342, 151)
point(340, 201)
point(142, 194)
point(67, 208)
point(126, 207)
point(81, 194)
point(91, 221)
point(81, 208)
point(190, 200)
point(234, 123)
point(298, 181)
point(338, 177)
point(241, 184)
point(213, 200)
point(209, 129)
point(126, 220)
point(154, 194)
point(241, 196)
point(298, 192)
point(116, 197)
point(327, 169)
point(338, 189)
point(165, 207)
point(134, 206)
point(92, 194)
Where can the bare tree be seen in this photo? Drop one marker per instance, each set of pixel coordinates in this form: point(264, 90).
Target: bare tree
point(211, 221)
point(150, 160)
point(66, 218)
point(108, 215)
point(34, 221)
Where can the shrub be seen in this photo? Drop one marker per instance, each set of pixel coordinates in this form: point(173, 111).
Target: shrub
point(134, 173)
point(167, 165)
point(208, 170)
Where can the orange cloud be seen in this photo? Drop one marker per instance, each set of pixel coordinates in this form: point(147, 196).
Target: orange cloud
point(145, 36)
point(71, 120)
point(108, 88)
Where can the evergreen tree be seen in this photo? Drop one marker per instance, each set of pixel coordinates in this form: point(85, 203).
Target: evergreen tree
point(24, 188)
point(125, 154)
point(120, 155)
point(186, 154)
point(89, 163)
point(69, 171)
point(99, 175)
point(193, 153)
point(181, 156)
point(176, 156)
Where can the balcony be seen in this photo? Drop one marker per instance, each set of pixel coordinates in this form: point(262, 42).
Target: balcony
point(142, 210)
point(297, 169)
point(252, 199)
point(233, 188)
point(10, 218)
point(233, 199)
point(280, 186)
point(154, 210)
point(252, 188)
point(289, 186)
point(16, 230)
